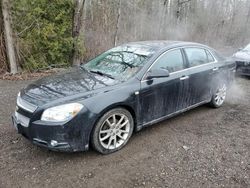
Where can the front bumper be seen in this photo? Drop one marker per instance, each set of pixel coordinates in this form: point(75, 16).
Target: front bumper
point(69, 137)
point(243, 68)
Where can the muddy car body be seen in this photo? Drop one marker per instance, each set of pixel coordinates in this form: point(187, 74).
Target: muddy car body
point(123, 90)
point(242, 58)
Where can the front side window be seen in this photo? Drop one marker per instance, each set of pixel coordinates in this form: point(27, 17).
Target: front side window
point(196, 56)
point(171, 61)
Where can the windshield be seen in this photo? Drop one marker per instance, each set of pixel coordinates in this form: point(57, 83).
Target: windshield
point(247, 48)
point(120, 63)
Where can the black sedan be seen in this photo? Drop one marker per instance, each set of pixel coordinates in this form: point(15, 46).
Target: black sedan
point(101, 103)
point(242, 58)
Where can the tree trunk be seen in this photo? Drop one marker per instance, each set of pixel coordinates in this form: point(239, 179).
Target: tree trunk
point(247, 25)
point(9, 40)
point(77, 24)
point(117, 23)
point(178, 12)
point(3, 63)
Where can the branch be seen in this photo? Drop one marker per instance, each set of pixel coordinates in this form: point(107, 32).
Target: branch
point(25, 29)
point(183, 2)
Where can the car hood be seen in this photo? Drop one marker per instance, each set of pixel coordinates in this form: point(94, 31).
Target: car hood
point(243, 55)
point(76, 82)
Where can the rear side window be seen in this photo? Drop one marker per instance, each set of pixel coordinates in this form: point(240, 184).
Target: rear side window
point(247, 47)
point(171, 61)
point(196, 56)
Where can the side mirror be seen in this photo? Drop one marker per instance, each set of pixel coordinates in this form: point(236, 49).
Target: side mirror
point(157, 73)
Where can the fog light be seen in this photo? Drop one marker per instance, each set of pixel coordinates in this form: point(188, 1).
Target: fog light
point(53, 143)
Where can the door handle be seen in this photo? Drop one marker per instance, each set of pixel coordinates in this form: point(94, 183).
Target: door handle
point(184, 78)
point(215, 68)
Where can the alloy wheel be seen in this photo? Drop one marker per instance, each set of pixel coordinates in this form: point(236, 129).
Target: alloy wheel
point(114, 131)
point(220, 95)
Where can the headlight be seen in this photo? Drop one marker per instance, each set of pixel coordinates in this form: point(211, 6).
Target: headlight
point(61, 113)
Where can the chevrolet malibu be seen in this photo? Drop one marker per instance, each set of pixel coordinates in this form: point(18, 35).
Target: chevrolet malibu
point(102, 102)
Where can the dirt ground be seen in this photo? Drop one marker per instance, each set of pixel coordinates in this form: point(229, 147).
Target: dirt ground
point(201, 148)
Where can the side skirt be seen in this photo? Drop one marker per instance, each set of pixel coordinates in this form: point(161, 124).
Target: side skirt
point(171, 115)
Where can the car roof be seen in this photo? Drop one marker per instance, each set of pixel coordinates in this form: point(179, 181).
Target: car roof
point(160, 44)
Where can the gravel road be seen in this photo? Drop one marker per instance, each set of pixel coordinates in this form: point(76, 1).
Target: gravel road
point(201, 148)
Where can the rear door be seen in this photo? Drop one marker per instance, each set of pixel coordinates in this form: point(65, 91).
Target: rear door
point(161, 96)
point(202, 69)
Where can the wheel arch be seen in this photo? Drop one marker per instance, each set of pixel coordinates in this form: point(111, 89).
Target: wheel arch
point(129, 108)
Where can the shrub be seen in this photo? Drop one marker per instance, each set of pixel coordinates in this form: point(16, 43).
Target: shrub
point(44, 32)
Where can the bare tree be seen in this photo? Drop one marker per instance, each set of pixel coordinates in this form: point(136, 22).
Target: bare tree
point(77, 24)
point(9, 37)
point(99, 25)
point(179, 12)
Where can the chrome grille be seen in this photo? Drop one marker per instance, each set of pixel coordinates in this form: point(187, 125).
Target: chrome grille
point(26, 105)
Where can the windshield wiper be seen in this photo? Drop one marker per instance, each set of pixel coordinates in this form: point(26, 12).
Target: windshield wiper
point(102, 74)
point(83, 68)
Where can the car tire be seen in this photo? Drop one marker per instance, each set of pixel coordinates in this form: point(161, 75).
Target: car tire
point(219, 96)
point(112, 131)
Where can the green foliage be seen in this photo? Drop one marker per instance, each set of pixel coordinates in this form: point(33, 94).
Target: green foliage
point(44, 31)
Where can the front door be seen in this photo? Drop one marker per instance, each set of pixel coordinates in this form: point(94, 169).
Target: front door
point(160, 97)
